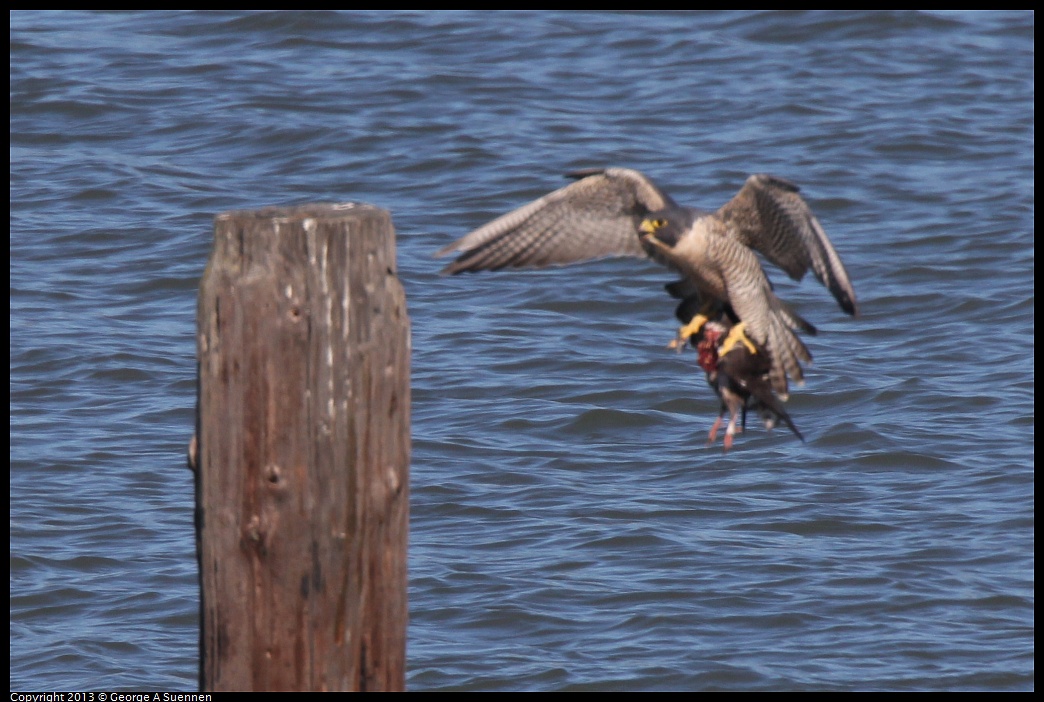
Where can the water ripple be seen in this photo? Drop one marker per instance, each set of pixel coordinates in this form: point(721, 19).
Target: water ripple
point(570, 528)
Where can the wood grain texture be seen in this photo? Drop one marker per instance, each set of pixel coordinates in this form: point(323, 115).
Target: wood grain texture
point(302, 481)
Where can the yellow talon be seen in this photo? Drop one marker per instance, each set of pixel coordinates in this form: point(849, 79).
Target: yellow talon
point(736, 335)
point(693, 327)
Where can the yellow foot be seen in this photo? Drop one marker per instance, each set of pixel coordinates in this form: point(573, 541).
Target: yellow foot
point(738, 334)
point(687, 332)
point(692, 328)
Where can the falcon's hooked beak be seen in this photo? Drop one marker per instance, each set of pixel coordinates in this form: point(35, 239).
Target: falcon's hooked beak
point(647, 232)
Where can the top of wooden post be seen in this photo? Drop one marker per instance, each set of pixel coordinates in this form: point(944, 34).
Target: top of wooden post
point(313, 209)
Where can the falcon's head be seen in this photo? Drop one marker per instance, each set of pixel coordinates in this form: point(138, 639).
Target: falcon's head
point(665, 227)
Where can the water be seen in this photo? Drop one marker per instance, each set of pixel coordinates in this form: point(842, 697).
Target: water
point(570, 530)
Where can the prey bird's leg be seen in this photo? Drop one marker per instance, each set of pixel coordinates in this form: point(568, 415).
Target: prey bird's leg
point(730, 431)
point(714, 430)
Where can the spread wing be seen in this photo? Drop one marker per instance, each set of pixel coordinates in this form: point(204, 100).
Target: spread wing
point(769, 215)
point(595, 217)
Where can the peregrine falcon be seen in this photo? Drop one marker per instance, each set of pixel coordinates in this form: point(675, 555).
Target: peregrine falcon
point(622, 212)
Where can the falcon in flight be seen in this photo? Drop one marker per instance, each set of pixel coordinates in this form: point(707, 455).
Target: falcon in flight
point(622, 212)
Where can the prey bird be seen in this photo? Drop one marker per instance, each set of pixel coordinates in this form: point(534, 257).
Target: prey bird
point(737, 372)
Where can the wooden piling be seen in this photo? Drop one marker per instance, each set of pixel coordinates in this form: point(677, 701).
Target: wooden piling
point(302, 452)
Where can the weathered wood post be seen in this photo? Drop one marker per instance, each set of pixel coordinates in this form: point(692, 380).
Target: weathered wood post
point(302, 452)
